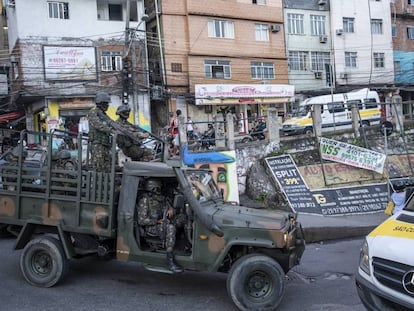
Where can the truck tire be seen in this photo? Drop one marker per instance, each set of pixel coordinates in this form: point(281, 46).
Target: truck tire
point(256, 282)
point(308, 131)
point(43, 262)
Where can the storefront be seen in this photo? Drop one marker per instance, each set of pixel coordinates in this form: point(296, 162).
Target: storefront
point(247, 102)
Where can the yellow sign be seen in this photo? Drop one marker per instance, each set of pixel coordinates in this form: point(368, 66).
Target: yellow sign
point(394, 228)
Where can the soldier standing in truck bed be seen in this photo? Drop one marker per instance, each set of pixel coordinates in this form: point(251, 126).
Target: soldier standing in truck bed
point(130, 147)
point(100, 134)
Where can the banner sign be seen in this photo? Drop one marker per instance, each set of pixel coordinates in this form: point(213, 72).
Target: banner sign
point(333, 201)
point(351, 155)
point(71, 63)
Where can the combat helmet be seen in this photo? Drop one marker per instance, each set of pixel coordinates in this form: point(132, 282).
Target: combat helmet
point(64, 155)
point(153, 185)
point(102, 100)
point(123, 110)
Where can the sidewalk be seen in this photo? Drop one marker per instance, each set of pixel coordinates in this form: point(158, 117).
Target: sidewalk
point(321, 228)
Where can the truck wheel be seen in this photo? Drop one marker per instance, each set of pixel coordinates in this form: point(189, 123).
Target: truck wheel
point(43, 262)
point(256, 282)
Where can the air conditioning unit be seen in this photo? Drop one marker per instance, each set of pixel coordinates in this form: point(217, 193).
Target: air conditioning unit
point(343, 75)
point(323, 39)
point(318, 74)
point(322, 2)
point(10, 3)
point(339, 32)
point(275, 28)
point(408, 10)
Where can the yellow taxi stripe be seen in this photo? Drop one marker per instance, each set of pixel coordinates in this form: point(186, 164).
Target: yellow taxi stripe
point(394, 228)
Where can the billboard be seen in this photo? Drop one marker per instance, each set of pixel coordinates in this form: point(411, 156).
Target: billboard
point(70, 63)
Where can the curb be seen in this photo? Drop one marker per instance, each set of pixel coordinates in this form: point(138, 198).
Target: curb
point(319, 234)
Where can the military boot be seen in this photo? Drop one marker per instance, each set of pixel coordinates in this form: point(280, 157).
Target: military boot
point(172, 265)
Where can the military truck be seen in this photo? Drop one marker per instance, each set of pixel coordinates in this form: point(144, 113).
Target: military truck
point(64, 215)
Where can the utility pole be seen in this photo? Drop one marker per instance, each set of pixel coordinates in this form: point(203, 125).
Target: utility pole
point(126, 66)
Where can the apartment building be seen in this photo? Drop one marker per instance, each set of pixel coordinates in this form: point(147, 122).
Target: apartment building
point(216, 44)
point(362, 43)
point(63, 52)
point(308, 45)
point(402, 17)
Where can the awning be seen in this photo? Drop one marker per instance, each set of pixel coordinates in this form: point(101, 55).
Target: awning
point(11, 116)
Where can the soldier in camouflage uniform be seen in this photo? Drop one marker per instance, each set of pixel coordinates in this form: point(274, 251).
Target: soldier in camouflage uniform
point(155, 217)
point(100, 134)
point(131, 148)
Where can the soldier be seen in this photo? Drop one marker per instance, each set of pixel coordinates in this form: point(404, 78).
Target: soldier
point(130, 147)
point(155, 217)
point(99, 134)
point(65, 162)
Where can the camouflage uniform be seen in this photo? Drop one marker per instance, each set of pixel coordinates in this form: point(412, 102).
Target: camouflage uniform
point(133, 149)
point(151, 208)
point(100, 140)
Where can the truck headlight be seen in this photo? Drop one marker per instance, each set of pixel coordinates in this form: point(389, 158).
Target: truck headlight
point(364, 258)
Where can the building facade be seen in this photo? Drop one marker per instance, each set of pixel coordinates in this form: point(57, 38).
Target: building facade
point(63, 53)
point(238, 42)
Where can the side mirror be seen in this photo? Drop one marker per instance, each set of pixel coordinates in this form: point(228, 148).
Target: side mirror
point(178, 201)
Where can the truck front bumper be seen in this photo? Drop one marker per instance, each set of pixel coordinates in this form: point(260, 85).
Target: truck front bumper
point(376, 300)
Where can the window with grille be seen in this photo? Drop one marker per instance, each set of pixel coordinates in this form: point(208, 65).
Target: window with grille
point(348, 24)
point(298, 60)
point(394, 30)
point(379, 60)
point(295, 24)
point(259, 2)
point(261, 32)
point(318, 25)
point(351, 59)
point(217, 69)
point(260, 70)
point(220, 29)
point(319, 60)
point(111, 61)
point(58, 10)
point(376, 26)
point(176, 67)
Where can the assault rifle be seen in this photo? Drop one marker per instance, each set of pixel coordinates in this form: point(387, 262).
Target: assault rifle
point(124, 131)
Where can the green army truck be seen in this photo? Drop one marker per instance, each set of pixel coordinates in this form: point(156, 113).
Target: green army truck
point(59, 215)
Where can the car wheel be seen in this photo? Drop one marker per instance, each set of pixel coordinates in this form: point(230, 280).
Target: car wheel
point(308, 131)
point(256, 282)
point(43, 262)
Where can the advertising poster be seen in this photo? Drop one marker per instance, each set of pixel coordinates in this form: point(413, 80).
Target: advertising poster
point(328, 201)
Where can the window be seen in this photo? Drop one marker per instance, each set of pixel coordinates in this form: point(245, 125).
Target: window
point(336, 107)
point(295, 24)
point(111, 61)
point(394, 30)
point(217, 69)
point(351, 59)
point(348, 24)
point(379, 60)
point(298, 60)
point(410, 33)
point(261, 32)
point(220, 29)
point(58, 10)
point(259, 2)
point(262, 71)
point(376, 26)
point(319, 60)
point(115, 12)
point(317, 25)
point(397, 66)
point(176, 67)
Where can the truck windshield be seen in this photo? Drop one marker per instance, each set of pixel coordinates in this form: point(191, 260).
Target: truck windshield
point(203, 186)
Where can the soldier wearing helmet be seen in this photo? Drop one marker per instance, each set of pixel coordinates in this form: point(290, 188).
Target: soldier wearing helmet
point(155, 216)
point(130, 147)
point(99, 134)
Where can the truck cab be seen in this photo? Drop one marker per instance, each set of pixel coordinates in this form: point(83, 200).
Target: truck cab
point(72, 214)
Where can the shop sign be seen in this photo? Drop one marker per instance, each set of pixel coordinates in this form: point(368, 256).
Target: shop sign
point(219, 94)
